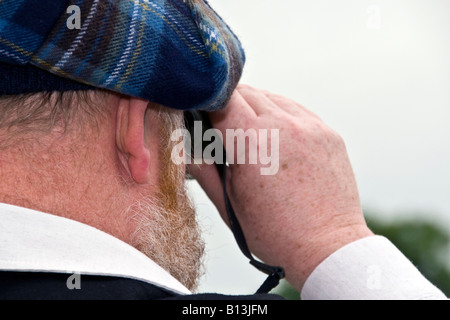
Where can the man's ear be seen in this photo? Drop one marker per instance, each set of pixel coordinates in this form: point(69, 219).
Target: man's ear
point(130, 138)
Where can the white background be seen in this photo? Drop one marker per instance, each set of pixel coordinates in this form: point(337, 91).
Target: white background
point(378, 72)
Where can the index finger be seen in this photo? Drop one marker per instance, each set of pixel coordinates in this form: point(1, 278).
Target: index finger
point(237, 114)
point(258, 100)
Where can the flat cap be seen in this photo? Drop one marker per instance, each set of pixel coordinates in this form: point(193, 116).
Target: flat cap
point(178, 53)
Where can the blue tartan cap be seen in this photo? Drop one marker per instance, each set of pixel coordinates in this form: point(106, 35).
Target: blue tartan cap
point(178, 53)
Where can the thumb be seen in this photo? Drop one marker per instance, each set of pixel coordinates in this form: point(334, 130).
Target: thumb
point(208, 178)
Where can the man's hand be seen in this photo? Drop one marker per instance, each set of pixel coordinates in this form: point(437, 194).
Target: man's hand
point(310, 208)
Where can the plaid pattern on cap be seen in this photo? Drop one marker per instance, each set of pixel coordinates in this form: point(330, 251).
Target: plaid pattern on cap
point(178, 53)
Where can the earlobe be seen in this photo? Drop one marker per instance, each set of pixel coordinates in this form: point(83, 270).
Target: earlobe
point(130, 138)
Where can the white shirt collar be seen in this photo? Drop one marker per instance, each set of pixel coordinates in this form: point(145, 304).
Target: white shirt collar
point(39, 242)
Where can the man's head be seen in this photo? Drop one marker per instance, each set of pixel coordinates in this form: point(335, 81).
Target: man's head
point(78, 136)
point(103, 159)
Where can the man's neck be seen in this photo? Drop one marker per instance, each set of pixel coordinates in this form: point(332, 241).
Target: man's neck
point(65, 182)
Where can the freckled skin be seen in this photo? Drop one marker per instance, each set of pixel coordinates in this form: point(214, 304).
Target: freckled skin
point(311, 207)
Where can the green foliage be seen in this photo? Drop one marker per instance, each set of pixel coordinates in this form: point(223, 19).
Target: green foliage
point(425, 243)
point(287, 291)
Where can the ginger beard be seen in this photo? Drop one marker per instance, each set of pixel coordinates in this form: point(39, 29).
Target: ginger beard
point(167, 230)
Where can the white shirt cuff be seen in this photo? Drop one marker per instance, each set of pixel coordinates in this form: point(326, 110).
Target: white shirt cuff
point(368, 269)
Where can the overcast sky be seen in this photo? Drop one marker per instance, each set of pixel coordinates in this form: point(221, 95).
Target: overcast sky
point(378, 72)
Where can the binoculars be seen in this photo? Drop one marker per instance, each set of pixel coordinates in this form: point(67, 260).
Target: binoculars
point(196, 124)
